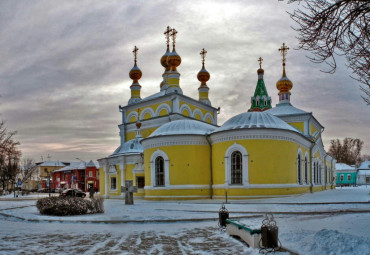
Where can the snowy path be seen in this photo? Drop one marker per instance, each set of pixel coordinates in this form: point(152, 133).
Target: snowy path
point(330, 222)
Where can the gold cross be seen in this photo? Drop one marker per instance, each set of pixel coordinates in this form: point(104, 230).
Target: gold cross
point(173, 34)
point(260, 60)
point(135, 53)
point(283, 51)
point(167, 35)
point(203, 54)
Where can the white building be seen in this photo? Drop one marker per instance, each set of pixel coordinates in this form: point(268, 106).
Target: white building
point(363, 174)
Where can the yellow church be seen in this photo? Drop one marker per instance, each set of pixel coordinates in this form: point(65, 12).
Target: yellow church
point(172, 148)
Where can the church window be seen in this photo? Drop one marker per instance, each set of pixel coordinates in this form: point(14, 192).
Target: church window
point(113, 183)
point(236, 168)
point(159, 171)
point(140, 182)
point(314, 172)
point(299, 169)
point(257, 102)
point(306, 170)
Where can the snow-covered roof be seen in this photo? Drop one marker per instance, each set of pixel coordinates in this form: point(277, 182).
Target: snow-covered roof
point(364, 172)
point(365, 165)
point(183, 127)
point(130, 147)
point(52, 163)
point(285, 109)
point(159, 94)
point(344, 167)
point(92, 164)
point(255, 120)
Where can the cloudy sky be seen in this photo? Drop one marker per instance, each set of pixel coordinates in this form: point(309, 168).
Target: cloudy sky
point(64, 68)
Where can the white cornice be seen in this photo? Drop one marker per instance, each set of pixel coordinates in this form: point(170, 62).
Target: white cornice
point(251, 134)
point(171, 140)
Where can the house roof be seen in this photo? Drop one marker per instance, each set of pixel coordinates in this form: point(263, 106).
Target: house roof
point(344, 167)
point(365, 165)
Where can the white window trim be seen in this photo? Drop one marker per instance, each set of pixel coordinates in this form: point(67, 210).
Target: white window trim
point(159, 153)
point(340, 177)
point(243, 151)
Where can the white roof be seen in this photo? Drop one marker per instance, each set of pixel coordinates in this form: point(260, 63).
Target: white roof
point(52, 163)
point(365, 165)
point(364, 172)
point(343, 167)
point(159, 94)
point(130, 147)
point(284, 109)
point(183, 127)
point(255, 120)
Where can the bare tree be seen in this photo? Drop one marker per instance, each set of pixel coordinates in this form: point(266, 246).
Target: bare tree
point(330, 28)
point(28, 170)
point(9, 156)
point(348, 152)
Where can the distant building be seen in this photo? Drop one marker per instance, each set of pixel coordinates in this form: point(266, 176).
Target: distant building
point(363, 174)
point(45, 169)
point(78, 175)
point(346, 175)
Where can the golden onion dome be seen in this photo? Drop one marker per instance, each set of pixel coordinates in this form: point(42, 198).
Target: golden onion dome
point(173, 60)
point(135, 73)
point(203, 76)
point(164, 59)
point(284, 85)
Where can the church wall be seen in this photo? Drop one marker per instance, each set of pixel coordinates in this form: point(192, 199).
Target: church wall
point(129, 176)
point(188, 168)
point(144, 133)
point(299, 125)
point(117, 175)
point(198, 113)
point(313, 129)
point(154, 107)
point(101, 181)
point(269, 161)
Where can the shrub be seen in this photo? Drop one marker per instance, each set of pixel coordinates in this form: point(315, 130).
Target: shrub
point(63, 206)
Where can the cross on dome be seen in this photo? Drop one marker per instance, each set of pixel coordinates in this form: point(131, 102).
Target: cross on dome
point(167, 35)
point(203, 54)
point(260, 60)
point(173, 35)
point(283, 50)
point(135, 53)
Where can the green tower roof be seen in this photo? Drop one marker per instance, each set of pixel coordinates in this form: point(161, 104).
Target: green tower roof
point(261, 100)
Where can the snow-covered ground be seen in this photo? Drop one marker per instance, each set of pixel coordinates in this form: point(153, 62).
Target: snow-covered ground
point(328, 222)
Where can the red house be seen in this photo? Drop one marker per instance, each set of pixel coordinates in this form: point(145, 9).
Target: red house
point(78, 175)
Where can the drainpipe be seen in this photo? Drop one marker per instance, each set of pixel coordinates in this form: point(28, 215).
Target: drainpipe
point(211, 168)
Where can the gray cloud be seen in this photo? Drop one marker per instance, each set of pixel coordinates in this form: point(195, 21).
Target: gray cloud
point(64, 67)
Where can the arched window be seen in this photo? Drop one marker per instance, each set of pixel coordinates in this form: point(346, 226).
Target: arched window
point(314, 172)
point(159, 171)
point(236, 168)
point(306, 170)
point(299, 170)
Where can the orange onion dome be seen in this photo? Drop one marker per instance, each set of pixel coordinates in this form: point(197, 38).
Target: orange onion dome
point(135, 73)
point(173, 60)
point(203, 76)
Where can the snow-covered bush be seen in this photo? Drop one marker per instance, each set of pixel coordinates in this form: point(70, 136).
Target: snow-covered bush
point(63, 206)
